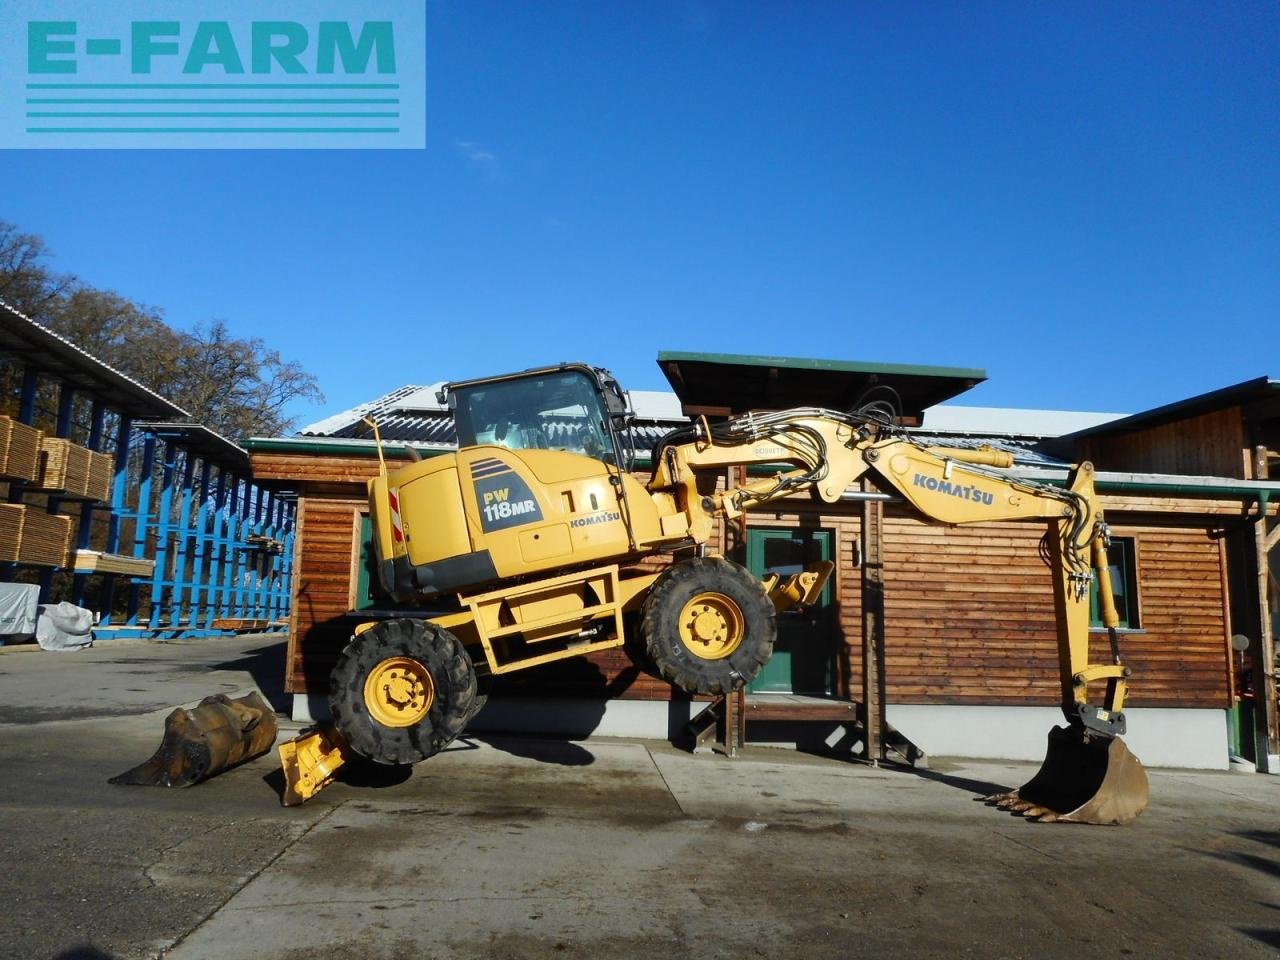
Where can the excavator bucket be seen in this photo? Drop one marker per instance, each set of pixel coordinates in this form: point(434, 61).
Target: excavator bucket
point(201, 742)
point(1082, 780)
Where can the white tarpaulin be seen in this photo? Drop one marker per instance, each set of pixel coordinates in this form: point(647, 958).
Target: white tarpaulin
point(64, 626)
point(18, 609)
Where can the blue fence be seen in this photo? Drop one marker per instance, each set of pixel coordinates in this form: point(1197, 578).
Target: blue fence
point(182, 500)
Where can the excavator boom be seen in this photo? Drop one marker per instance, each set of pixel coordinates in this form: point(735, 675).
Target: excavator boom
point(1088, 775)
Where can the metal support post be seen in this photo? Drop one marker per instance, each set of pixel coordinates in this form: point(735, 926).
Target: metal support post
point(141, 524)
point(216, 548)
point(1263, 651)
point(160, 575)
point(183, 542)
point(873, 628)
point(119, 501)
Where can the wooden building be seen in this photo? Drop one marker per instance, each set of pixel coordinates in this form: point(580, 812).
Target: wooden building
point(1232, 434)
point(964, 661)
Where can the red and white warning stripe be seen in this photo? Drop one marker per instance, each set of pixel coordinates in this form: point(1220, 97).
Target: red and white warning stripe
point(397, 525)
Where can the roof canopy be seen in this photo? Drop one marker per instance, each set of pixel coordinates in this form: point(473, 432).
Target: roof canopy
point(22, 337)
point(1258, 399)
point(725, 384)
point(200, 440)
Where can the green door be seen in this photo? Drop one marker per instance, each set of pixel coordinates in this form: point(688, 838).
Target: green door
point(803, 656)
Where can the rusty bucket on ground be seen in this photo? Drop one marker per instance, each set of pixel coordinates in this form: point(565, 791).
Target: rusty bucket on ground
point(1083, 779)
point(199, 743)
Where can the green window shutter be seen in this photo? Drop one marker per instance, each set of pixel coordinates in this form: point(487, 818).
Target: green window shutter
point(366, 578)
point(1124, 585)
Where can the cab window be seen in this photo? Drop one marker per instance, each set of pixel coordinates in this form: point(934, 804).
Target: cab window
point(554, 411)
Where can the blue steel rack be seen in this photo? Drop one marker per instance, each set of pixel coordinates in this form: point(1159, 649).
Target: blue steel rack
point(182, 497)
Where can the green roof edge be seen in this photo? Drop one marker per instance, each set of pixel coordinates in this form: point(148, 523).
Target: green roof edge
point(353, 448)
point(806, 363)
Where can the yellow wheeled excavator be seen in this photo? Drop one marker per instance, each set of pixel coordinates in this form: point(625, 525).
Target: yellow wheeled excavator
point(521, 548)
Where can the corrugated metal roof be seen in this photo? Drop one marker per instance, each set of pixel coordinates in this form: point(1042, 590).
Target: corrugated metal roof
point(55, 354)
point(1025, 450)
point(198, 438)
point(395, 400)
point(946, 418)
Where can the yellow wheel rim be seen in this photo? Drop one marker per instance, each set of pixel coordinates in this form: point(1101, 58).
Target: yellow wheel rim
point(711, 626)
point(399, 692)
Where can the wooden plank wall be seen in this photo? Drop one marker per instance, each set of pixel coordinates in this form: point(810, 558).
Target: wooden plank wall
point(1212, 444)
point(969, 616)
point(319, 627)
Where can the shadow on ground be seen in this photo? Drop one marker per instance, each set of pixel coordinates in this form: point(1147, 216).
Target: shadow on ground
point(85, 952)
point(583, 686)
point(979, 788)
point(266, 665)
point(561, 752)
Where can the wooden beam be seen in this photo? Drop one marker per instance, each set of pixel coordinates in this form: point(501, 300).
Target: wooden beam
point(1266, 725)
point(873, 627)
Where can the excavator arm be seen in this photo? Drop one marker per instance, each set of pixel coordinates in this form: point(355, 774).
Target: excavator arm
point(824, 451)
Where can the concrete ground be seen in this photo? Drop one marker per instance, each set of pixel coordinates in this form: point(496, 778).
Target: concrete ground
point(528, 848)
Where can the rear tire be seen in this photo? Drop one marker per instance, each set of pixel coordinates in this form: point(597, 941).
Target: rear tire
point(708, 625)
point(402, 691)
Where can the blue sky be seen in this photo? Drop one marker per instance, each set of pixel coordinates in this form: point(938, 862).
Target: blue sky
point(1083, 199)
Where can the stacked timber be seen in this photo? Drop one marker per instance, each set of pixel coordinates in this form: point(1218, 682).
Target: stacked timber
point(64, 466)
point(30, 535)
point(19, 450)
point(69, 468)
point(11, 515)
point(91, 561)
point(101, 476)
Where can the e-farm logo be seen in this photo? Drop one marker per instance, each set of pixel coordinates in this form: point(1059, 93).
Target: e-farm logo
point(213, 73)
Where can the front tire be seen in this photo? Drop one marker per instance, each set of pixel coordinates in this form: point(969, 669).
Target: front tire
point(402, 691)
point(708, 625)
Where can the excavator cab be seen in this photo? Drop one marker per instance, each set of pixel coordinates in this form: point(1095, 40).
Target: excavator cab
point(571, 407)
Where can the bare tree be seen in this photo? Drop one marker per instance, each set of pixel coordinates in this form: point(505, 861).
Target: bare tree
point(26, 283)
point(243, 382)
point(237, 386)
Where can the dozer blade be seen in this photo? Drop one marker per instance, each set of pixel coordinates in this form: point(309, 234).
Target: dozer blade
point(1082, 780)
point(199, 743)
point(799, 589)
point(309, 762)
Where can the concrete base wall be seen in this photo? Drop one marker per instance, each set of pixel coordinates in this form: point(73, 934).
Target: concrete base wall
point(1159, 737)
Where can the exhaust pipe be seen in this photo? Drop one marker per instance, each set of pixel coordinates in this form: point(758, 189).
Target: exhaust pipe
point(1084, 779)
point(216, 735)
